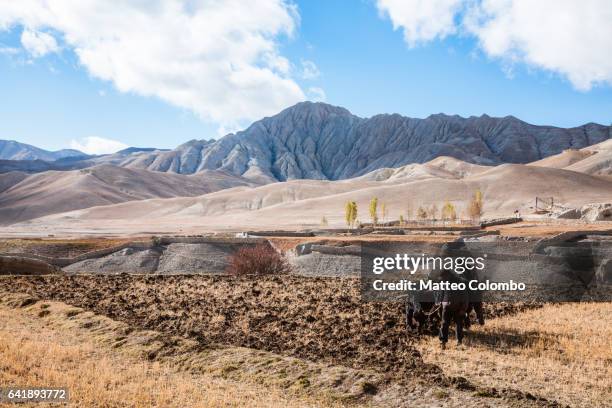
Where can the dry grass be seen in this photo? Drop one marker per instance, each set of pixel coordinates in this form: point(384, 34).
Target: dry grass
point(37, 354)
point(55, 344)
point(560, 352)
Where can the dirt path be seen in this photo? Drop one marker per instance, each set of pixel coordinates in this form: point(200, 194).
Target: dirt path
point(58, 248)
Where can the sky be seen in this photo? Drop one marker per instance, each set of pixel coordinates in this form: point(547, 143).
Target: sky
point(99, 76)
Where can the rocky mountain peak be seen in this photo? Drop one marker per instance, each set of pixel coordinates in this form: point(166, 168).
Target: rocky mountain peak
point(307, 108)
point(314, 140)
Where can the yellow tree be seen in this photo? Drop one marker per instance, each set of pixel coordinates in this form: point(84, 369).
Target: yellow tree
point(475, 208)
point(374, 211)
point(383, 211)
point(350, 213)
point(449, 213)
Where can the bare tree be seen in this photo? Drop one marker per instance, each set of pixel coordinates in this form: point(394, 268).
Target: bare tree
point(433, 213)
point(421, 213)
point(324, 222)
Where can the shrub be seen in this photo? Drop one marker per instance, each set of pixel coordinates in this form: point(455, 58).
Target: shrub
point(257, 260)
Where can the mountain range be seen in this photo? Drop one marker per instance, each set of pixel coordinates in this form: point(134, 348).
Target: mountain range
point(303, 164)
point(296, 203)
point(325, 142)
point(12, 150)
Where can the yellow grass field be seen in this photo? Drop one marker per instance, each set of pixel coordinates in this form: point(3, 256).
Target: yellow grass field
point(34, 353)
point(561, 352)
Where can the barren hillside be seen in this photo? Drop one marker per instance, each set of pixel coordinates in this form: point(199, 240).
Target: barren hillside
point(37, 195)
point(594, 160)
point(299, 203)
point(8, 180)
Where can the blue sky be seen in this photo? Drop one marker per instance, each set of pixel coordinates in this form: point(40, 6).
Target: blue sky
point(55, 97)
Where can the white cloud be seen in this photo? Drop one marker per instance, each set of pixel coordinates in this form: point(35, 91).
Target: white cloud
point(219, 59)
point(316, 94)
point(310, 70)
point(567, 37)
point(421, 20)
point(97, 145)
point(38, 43)
point(573, 38)
point(10, 51)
